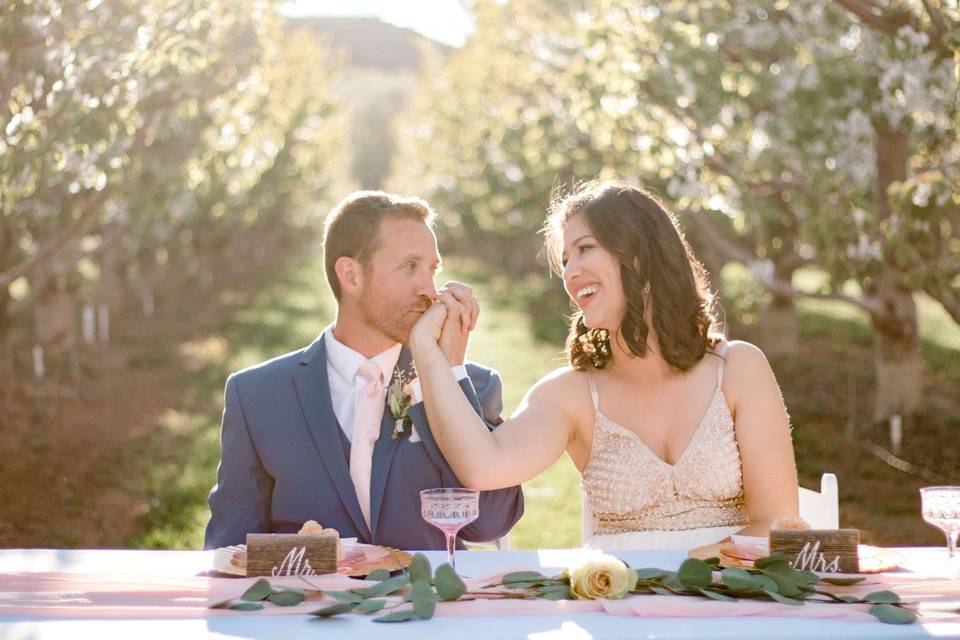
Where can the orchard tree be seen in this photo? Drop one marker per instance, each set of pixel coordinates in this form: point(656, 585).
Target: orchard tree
point(137, 138)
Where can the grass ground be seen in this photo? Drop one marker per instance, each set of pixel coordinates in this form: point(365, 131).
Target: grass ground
point(293, 310)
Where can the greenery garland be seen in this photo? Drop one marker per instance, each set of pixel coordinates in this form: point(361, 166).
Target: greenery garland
point(420, 589)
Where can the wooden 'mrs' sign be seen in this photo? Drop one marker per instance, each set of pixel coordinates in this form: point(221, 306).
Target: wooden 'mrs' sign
point(289, 554)
point(828, 550)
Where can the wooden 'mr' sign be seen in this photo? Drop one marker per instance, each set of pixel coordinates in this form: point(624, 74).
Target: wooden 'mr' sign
point(828, 550)
point(289, 554)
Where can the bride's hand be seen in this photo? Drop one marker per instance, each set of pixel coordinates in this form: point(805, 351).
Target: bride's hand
point(430, 325)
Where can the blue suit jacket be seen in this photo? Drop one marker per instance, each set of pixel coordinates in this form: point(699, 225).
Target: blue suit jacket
point(284, 461)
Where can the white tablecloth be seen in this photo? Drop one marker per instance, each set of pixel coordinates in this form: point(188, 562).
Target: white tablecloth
point(920, 561)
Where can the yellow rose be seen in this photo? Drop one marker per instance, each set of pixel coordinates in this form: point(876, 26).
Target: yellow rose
point(601, 577)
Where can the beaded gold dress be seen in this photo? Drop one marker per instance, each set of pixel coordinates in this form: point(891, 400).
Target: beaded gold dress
point(633, 499)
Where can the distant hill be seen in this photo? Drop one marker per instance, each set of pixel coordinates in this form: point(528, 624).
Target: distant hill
point(381, 72)
point(370, 42)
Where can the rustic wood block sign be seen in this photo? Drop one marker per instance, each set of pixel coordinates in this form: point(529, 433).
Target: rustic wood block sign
point(289, 554)
point(828, 550)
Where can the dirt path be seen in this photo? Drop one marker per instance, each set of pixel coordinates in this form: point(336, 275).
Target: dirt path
point(67, 475)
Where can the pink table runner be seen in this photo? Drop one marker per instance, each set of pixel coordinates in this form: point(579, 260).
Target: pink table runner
point(132, 595)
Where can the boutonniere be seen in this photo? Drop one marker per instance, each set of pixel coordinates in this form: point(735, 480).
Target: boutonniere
point(399, 399)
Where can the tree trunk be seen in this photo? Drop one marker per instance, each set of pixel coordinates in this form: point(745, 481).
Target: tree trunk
point(778, 332)
point(111, 289)
point(895, 330)
point(896, 349)
point(6, 347)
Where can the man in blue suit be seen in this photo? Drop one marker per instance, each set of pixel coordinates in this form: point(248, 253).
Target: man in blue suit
point(311, 436)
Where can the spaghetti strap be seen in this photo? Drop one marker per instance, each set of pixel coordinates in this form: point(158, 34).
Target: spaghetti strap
point(721, 352)
point(593, 392)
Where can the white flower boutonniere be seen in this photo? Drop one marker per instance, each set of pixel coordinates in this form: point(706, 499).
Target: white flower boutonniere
point(399, 399)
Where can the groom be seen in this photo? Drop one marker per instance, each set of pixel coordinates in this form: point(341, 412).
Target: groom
point(312, 435)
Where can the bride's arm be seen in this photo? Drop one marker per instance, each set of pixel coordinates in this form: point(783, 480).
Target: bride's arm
point(519, 449)
point(763, 435)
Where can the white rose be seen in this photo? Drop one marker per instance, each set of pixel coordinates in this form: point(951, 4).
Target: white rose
point(601, 577)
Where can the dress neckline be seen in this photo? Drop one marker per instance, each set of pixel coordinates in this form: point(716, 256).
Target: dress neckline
point(717, 394)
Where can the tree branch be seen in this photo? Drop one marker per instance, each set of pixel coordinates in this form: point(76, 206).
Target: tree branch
point(769, 281)
point(46, 253)
point(867, 13)
point(948, 299)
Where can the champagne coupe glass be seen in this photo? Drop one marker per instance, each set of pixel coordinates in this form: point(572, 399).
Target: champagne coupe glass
point(941, 508)
point(450, 510)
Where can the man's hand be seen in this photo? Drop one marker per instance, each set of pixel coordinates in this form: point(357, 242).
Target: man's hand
point(462, 312)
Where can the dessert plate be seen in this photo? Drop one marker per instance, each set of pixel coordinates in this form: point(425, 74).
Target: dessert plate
point(358, 559)
point(871, 559)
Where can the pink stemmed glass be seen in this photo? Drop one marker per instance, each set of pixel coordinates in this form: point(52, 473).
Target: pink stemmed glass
point(941, 508)
point(450, 510)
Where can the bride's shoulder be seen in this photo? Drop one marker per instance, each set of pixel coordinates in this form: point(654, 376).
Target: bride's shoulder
point(745, 365)
point(562, 384)
point(743, 353)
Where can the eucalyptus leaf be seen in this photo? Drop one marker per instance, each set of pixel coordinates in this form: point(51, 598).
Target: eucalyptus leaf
point(286, 598)
point(223, 604)
point(370, 606)
point(716, 595)
point(809, 577)
point(788, 581)
point(556, 592)
point(650, 574)
point(663, 591)
point(424, 599)
point(449, 585)
point(523, 576)
point(346, 596)
point(387, 586)
point(420, 569)
point(772, 560)
point(783, 599)
point(740, 579)
point(398, 616)
point(765, 582)
point(258, 591)
point(695, 574)
point(334, 609)
point(882, 597)
point(246, 606)
point(891, 614)
point(379, 575)
point(842, 582)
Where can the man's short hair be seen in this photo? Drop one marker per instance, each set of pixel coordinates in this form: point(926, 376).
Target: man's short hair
point(352, 227)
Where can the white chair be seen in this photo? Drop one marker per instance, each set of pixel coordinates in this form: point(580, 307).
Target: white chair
point(821, 510)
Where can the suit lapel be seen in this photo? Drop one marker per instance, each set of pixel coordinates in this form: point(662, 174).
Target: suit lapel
point(385, 448)
point(313, 390)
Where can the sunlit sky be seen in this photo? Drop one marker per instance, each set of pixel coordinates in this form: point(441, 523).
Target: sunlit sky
point(443, 20)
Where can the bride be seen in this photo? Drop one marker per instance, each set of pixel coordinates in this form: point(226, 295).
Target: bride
point(681, 437)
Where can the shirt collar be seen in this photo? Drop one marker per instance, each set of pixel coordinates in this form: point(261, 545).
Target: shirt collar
point(345, 361)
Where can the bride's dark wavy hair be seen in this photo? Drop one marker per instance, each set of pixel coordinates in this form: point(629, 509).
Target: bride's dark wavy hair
point(655, 262)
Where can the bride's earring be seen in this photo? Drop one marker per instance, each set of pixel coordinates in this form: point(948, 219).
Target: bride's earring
point(646, 288)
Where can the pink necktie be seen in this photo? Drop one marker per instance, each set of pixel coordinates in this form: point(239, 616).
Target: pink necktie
point(368, 413)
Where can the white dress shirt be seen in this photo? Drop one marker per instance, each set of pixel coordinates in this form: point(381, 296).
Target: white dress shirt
point(342, 365)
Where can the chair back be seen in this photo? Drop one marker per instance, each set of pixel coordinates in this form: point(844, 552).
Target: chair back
point(821, 509)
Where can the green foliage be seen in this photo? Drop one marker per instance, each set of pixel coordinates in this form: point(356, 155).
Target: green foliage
point(784, 135)
point(154, 139)
point(771, 578)
point(262, 591)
